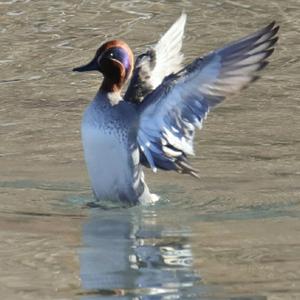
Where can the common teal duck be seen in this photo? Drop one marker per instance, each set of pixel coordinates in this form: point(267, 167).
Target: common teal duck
point(153, 123)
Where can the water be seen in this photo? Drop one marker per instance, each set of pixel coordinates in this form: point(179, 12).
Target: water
point(232, 235)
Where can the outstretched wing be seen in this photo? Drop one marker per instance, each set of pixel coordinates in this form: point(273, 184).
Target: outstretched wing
point(158, 62)
point(170, 114)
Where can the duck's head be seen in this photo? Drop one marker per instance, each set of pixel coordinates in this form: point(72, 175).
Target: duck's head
point(115, 61)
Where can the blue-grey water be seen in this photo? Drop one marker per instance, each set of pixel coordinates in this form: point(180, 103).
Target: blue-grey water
point(233, 234)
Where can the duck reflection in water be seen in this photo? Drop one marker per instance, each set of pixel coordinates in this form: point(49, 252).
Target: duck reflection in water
point(126, 254)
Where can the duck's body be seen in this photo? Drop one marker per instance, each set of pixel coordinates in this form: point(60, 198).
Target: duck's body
point(154, 123)
point(109, 137)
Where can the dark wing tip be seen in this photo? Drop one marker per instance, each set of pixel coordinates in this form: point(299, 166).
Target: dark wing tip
point(273, 41)
point(184, 167)
point(268, 52)
point(276, 29)
point(271, 30)
point(254, 78)
point(271, 25)
point(262, 65)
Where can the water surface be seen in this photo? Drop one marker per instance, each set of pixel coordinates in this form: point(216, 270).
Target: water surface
point(232, 235)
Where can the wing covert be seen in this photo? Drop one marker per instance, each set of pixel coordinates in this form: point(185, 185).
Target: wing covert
point(158, 62)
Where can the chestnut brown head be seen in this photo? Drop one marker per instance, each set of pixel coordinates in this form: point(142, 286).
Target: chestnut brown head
point(115, 61)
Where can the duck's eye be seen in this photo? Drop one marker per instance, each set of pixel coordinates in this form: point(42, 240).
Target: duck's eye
point(111, 54)
point(116, 53)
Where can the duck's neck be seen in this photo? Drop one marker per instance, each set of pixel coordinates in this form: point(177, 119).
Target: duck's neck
point(111, 91)
point(110, 86)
